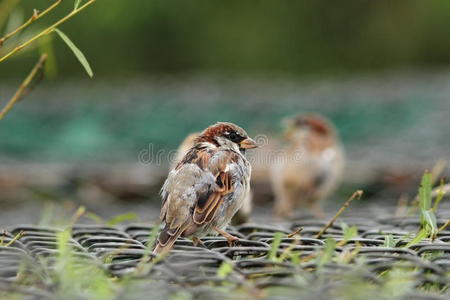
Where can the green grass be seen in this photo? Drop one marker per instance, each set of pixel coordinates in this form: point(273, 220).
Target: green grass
point(72, 278)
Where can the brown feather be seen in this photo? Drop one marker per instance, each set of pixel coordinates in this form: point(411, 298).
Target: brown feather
point(167, 238)
point(204, 213)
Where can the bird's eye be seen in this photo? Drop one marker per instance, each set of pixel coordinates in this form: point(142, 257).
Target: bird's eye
point(234, 137)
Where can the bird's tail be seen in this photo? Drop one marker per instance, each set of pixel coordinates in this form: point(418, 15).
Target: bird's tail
point(167, 237)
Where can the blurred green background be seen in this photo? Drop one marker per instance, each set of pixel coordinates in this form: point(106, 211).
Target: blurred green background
point(308, 37)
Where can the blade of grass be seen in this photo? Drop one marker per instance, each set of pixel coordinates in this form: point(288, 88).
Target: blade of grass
point(224, 270)
point(425, 191)
point(423, 233)
point(275, 246)
point(94, 217)
point(328, 252)
point(122, 218)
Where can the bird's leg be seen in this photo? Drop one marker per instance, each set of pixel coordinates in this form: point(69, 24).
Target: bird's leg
point(197, 242)
point(230, 238)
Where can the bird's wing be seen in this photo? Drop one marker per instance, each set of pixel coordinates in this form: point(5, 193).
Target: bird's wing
point(195, 189)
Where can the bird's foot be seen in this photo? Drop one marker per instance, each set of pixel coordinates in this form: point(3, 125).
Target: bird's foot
point(197, 242)
point(232, 240)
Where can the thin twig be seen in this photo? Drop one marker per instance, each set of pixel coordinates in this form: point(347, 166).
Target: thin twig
point(22, 88)
point(14, 239)
point(295, 232)
point(356, 194)
point(36, 16)
point(444, 226)
point(47, 30)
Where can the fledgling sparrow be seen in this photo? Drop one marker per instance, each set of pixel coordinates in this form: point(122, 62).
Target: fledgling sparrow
point(243, 214)
point(309, 167)
point(207, 187)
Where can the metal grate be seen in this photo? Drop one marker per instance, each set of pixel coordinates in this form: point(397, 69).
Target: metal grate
point(120, 250)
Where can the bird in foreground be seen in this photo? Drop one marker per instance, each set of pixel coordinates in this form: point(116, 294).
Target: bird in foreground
point(243, 214)
point(310, 166)
point(207, 187)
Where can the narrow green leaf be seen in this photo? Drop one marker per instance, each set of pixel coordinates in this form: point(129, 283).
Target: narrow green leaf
point(350, 232)
point(418, 238)
point(94, 217)
point(275, 245)
point(80, 56)
point(328, 252)
point(389, 241)
point(121, 218)
point(295, 258)
point(430, 221)
point(77, 4)
point(425, 191)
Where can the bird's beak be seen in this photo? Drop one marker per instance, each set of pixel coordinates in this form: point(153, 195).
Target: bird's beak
point(248, 143)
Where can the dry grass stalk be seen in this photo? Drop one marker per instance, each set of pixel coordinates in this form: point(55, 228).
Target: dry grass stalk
point(356, 194)
point(24, 86)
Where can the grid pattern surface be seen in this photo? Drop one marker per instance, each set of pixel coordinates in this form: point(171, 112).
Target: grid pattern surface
point(121, 251)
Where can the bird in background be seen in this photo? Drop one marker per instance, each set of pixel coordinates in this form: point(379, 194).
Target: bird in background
point(207, 187)
point(243, 214)
point(309, 167)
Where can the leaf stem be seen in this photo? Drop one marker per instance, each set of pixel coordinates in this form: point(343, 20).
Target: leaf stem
point(36, 16)
point(47, 30)
point(20, 91)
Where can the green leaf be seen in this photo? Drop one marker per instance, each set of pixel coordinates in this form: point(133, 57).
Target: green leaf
point(350, 232)
point(224, 270)
point(328, 252)
point(80, 56)
point(121, 218)
point(94, 217)
point(77, 4)
point(425, 191)
point(418, 238)
point(430, 221)
point(389, 241)
point(275, 245)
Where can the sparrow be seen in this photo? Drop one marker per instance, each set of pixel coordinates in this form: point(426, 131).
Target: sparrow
point(243, 214)
point(207, 187)
point(309, 167)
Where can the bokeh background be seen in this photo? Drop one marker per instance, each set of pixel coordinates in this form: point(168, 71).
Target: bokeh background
point(378, 69)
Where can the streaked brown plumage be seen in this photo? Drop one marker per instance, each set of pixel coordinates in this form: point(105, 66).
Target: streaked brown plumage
point(244, 212)
point(310, 166)
point(207, 187)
